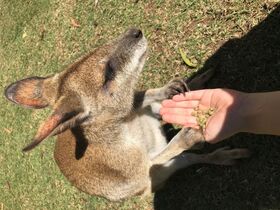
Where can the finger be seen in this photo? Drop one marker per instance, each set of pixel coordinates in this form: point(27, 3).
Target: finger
point(176, 111)
point(180, 104)
point(192, 95)
point(179, 119)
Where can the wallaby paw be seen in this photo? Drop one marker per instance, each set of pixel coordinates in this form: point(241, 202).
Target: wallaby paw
point(227, 156)
point(174, 87)
point(191, 139)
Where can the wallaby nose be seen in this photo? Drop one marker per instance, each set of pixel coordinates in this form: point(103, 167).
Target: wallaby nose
point(10, 91)
point(136, 33)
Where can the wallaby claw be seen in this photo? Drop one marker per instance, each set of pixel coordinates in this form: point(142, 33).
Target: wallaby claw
point(175, 87)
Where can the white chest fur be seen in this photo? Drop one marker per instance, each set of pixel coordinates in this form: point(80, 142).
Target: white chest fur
point(145, 131)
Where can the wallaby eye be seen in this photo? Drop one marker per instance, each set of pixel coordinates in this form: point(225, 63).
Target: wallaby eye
point(110, 72)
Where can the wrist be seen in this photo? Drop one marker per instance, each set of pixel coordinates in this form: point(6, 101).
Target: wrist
point(250, 111)
point(238, 111)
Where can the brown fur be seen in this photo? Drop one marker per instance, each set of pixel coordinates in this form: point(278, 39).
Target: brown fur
point(110, 142)
point(95, 169)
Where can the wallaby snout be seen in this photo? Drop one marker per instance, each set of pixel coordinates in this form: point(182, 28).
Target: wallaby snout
point(134, 33)
point(130, 52)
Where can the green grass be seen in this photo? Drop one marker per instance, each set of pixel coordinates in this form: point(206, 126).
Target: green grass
point(37, 38)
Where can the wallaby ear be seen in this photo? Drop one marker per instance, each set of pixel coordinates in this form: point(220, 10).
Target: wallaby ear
point(27, 92)
point(68, 114)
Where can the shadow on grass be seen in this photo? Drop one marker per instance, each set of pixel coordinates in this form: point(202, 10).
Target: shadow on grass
point(251, 64)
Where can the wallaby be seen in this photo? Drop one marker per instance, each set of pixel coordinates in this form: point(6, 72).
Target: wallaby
point(110, 139)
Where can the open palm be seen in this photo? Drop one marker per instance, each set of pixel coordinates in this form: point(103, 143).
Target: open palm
point(225, 120)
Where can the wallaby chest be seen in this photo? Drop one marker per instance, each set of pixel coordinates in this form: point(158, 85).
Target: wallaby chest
point(145, 132)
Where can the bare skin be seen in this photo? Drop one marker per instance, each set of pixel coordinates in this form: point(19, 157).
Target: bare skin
point(234, 112)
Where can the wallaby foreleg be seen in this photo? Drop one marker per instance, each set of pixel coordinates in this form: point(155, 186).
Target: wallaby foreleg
point(184, 140)
point(176, 86)
point(143, 99)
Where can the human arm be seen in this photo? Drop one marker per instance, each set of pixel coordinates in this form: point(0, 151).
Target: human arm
point(234, 112)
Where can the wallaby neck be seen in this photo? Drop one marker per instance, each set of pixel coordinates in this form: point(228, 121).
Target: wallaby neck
point(105, 132)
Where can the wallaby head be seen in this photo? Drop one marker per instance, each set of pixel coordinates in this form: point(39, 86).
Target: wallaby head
point(99, 86)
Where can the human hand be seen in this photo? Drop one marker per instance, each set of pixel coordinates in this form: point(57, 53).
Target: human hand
point(226, 120)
